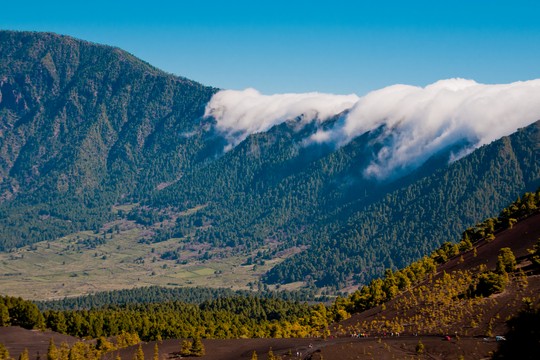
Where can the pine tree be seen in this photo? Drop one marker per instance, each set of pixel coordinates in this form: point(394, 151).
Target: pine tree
point(185, 349)
point(4, 353)
point(52, 351)
point(24, 355)
point(506, 261)
point(72, 355)
point(420, 347)
point(63, 352)
point(139, 355)
point(156, 351)
point(4, 315)
point(535, 253)
point(197, 348)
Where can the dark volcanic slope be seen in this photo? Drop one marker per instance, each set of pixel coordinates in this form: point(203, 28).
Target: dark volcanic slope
point(16, 339)
point(490, 314)
point(329, 349)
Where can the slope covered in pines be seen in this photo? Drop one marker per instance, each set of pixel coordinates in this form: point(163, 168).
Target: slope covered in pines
point(90, 134)
point(452, 303)
point(84, 126)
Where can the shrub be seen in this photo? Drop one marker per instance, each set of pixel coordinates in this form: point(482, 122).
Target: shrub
point(490, 283)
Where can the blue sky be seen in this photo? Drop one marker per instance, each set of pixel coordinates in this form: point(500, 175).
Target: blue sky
point(297, 46)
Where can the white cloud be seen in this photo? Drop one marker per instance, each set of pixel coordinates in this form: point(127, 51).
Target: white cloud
point(419, 121)
point(241, 113)
point(425, 120)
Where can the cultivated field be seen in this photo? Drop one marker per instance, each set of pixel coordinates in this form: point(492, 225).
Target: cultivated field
point(88, 262)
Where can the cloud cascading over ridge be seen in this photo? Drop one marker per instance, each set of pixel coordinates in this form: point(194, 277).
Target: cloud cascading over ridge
point(241, 113)
point(418, 121)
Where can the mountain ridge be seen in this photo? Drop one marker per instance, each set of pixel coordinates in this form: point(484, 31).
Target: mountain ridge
point(87, 129)
point(94, 128)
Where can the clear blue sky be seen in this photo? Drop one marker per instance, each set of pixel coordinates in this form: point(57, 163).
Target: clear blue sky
point(297, 46)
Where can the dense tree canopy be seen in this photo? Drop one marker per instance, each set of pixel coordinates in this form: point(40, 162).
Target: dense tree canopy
point(89, 128)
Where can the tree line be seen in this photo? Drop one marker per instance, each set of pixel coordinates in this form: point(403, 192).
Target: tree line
point(251, 316)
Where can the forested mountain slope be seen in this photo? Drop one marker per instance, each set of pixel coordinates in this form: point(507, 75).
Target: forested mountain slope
point(86, 129)
point(83, 126)
point(415, 219)
point(270, 191)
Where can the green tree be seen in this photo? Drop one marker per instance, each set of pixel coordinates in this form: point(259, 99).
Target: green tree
point(254, 355)
point(76, 352)
point(156, 351)
point(139, 354)
point(506, 261)
point(465, 244)
point(52, 351)
point(535, 253)
point(197, 347)
point(27, 314)
point(420, 348)
point(490, 283)
point(81, 351)
point(4, 315)
point(56, 321)
point(63, 352)
point(24, 355)
point(104, 345)
point(185, 349)
point(4, 353)
point(72, 355)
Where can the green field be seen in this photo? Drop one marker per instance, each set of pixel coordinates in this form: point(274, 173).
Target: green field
point(86, 262)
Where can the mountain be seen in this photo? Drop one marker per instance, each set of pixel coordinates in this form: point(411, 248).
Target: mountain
point(349, 224)
point(84, 126)
point(92, 138)
point(413, 220)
